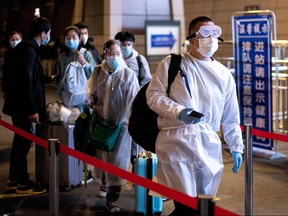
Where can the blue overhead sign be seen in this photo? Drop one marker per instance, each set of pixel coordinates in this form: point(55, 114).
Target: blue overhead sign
point(162, 37)
point(163, 40)
point(253, 63)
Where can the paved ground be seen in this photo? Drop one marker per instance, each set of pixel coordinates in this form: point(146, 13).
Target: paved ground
point(269, 186)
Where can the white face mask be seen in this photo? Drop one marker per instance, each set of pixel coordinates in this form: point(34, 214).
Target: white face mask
point(84, 38)
point(207, 46)
point(14, 43)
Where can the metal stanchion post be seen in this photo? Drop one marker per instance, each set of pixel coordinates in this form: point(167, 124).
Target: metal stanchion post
point(53, 147)
point(248, 170)
point(205, 205)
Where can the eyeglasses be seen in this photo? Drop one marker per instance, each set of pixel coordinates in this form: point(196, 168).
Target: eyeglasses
point(206, 31)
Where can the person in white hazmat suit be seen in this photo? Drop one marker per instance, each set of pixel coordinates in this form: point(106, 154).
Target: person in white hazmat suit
point(142, 71)
point(138, 63)
point(188, 148)
point(112, 88)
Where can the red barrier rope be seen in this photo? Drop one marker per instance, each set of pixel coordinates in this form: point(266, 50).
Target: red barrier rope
point(269, 135)
point(159, 188)
point(25, 134)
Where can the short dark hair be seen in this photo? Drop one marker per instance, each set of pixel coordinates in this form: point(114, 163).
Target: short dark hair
point(125, 36)
point(195, 21)
point(38, 25)
point(72, 28)
point(81, 25)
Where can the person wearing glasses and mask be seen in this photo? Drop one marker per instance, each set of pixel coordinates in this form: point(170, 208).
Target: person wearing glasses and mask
point(188, 148)
point(112, 88)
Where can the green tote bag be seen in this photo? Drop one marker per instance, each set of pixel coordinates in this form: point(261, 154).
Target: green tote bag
point(101, 134)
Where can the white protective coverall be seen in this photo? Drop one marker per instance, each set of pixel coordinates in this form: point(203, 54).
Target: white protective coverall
point(144, 74)
point(115, 93)
point(190, 156)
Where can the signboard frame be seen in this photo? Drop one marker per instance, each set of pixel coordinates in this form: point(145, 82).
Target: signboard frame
point(243, 61)
point(159, 36)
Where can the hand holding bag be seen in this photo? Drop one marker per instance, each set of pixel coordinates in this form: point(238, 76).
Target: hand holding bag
point(101, 134)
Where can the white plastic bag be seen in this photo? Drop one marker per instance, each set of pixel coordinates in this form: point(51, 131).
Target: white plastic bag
point(58, 113)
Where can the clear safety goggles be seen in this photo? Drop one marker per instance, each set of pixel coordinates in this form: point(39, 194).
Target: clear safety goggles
point(206, 31)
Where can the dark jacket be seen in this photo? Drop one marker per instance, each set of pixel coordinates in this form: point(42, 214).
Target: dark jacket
point(8, 63)
point(26, 93)
point(90, 47)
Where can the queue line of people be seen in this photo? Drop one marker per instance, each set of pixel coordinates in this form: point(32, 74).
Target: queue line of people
point(112, 84)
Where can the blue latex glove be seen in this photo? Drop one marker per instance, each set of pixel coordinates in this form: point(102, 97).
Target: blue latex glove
point(186, 118)
point(237, 157)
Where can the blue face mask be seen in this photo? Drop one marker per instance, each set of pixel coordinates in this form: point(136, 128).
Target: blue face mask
point(113, 62)
point(45, 42)
point(72, 44)
point(127, 50)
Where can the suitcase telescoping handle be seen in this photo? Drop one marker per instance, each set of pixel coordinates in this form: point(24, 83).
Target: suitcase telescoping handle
point(149, 176)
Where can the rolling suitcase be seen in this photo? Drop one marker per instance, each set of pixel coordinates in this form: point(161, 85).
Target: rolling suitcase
point(70, 168)
point(145, 166)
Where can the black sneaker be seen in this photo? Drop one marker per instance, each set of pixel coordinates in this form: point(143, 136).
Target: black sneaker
point(31, 188)
point(89, 177)
point(112, 207)
point(12, 184)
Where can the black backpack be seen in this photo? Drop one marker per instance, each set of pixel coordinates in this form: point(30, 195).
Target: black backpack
point(143, 121)
point(79, 133)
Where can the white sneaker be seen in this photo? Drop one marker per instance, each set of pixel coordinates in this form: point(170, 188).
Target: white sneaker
point(89, 177)
point(102, 193)
point(113, 207)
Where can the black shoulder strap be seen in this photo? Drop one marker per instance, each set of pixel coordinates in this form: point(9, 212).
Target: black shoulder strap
point(139, 65)
point(174, 67)
point(139, 62)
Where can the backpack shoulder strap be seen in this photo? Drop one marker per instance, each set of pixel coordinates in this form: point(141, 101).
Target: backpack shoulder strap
point(139, 62)
point(174, 67)
point(98, 69)
point(139, 65)
point(65, 74)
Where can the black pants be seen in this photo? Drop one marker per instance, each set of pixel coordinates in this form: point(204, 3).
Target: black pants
point(181, 209)
point(132, 160)
point(18, 170)
point(113, 193)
